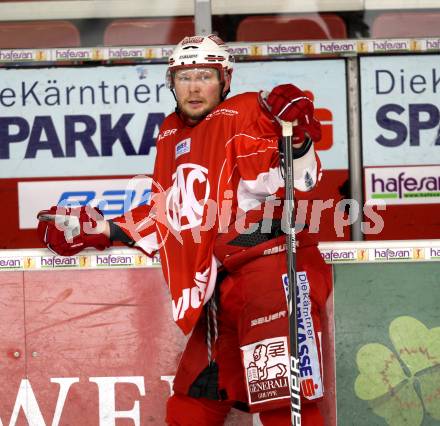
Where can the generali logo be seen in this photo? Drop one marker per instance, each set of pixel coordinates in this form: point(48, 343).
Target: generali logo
point(266, 364)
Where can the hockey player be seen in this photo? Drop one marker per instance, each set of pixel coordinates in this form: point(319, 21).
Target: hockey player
point(215, 217)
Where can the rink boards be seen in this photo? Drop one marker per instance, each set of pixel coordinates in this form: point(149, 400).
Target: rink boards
point(91, 341)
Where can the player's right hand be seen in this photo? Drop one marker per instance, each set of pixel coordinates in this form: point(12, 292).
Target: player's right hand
point(287, 102)
point(66, 231)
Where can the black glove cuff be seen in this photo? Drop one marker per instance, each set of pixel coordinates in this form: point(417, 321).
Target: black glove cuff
point(297, 152)
point(117, 234)
point(303, 150)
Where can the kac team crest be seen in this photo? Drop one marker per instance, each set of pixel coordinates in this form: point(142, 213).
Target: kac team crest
point(184, 206)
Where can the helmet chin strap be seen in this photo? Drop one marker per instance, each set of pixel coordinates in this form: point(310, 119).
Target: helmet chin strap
point(224, 93)
point(174, 94)
point(226, 79)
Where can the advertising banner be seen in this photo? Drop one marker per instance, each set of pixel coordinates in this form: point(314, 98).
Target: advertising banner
point(112, 196)
point(400, 110)
point(323, 81)
point(401, 142)
point(81, 121)
point(101, 121)
point(403, 185)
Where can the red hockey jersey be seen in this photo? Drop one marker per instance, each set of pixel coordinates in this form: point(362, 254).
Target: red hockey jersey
point(204, 178)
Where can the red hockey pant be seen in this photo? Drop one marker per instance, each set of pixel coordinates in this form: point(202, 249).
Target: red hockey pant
point(185, 411)
point(252, 323)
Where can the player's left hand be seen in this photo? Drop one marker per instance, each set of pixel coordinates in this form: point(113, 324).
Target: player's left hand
point(66, 231)
point(289, 103)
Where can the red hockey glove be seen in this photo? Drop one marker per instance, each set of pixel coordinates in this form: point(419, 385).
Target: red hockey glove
point(289, 103)
point(304, 129)
point(66, 231)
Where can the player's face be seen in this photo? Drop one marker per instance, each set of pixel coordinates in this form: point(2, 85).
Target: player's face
point(197, 91)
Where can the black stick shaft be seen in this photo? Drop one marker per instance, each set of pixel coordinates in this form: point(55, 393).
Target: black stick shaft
point(289, 213)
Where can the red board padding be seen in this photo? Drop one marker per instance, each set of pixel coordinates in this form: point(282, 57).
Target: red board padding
point(83, 331)
point(85, 324)
point(12, 339)
point(409, 222)
point(11, 236)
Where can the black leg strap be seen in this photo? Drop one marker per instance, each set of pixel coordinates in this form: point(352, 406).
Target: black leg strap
point(206, 384)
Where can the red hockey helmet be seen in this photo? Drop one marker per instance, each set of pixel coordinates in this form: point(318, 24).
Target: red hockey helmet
point(202, 51)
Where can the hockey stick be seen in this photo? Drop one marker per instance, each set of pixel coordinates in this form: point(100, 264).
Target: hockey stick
point(289, 213)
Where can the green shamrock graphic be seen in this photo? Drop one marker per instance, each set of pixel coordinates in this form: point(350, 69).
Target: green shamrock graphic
point(402, 386)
